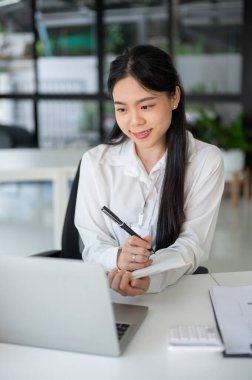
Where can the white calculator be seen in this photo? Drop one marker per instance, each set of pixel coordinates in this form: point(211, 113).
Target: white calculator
point(195, 336)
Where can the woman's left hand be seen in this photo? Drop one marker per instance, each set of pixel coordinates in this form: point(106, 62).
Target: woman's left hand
point(121, 282)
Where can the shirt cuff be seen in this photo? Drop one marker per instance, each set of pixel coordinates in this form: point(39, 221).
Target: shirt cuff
point(110, 261)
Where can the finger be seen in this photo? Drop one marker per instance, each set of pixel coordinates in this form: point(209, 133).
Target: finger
point(137, 241)
point(110, 277)
point(141, 283)
point(147, 238)
point(135, 253)
point(138, 286)
point(125, 260)
point(126, 289)
point(121, 283)
point(112, 273)
point(130, 254)
point(125, 280)
point(139, 258)
point(114, 278)
point(134, 265)
point(114, 270)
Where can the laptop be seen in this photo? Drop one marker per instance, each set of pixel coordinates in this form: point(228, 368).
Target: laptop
point(63, 304)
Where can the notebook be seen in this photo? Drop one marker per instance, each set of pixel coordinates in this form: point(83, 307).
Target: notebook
point(62, 304)
point(232, 307)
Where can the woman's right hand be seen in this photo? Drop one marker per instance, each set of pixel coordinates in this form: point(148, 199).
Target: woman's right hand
point(134, 254)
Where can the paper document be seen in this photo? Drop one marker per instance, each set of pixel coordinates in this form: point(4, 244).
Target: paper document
point(233, 310)
point(161, 263)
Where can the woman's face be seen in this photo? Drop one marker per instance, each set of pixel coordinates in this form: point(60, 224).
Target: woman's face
point(143, 115)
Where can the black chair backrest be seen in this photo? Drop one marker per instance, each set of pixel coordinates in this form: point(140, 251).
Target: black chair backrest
point(70, 243)
point(17, 137)
point(5, 140)
point(201, 270)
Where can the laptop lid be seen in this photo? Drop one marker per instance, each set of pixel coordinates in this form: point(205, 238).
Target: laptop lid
point(62, 304)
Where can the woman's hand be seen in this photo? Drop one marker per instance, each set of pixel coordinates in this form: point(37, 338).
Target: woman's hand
point(134, 254)
point(122, 283)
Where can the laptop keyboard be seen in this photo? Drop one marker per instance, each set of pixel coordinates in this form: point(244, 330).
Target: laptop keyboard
point(121, 329)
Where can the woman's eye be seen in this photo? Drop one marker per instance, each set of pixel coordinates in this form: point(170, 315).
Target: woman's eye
point(121, 110)
point(147, 107)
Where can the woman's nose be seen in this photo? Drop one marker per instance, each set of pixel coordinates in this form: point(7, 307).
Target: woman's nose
point(136, 119)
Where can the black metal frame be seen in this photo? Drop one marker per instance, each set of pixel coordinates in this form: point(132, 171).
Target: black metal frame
point(244, 98)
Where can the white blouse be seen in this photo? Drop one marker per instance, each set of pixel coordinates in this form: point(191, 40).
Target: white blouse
point(114, 176)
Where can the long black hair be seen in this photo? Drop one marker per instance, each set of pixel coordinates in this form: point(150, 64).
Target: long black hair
point(153, 69)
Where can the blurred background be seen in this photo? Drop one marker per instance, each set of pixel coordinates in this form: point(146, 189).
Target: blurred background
point(54, 57)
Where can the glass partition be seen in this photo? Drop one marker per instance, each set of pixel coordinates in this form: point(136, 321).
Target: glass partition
point(49, 52)
point(129, 23)
point(66, 49)
point(68, 123)
point(17, 112)
point(208, 44)
point(16, 48)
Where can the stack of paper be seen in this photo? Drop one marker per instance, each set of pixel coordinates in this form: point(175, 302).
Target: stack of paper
point(233, 310)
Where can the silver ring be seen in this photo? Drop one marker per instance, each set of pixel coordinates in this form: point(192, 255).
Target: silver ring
point(133, 258)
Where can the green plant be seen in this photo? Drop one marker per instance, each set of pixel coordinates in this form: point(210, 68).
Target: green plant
point(210, 128)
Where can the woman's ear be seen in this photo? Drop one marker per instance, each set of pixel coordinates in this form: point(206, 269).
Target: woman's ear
point(176, 97)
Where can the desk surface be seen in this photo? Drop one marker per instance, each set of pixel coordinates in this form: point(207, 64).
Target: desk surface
point(233, 278)
point(19, 159)
point(147, 357)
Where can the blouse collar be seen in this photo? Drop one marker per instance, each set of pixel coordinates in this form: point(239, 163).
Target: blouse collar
point(125, 155)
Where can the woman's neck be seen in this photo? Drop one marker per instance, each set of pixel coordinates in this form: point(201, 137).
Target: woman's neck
point(150, 157)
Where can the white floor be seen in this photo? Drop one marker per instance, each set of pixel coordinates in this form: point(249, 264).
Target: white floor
point(26, 227)
point(232, 245)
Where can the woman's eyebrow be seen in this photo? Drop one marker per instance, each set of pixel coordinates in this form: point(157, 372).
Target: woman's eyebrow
point(138, 101)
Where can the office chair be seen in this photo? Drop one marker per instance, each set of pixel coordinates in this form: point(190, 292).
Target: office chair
point(201, 270)
point(5, 140)
point(70, 242)
point(15, 137)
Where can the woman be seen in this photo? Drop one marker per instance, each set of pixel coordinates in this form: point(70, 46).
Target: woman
point(152, 173)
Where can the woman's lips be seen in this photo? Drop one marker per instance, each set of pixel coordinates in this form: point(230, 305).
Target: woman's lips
point(142, 135)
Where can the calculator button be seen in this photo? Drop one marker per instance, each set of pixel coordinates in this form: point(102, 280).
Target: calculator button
point(194, 335)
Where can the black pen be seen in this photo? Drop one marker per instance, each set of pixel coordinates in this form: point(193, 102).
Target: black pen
point(123, 225)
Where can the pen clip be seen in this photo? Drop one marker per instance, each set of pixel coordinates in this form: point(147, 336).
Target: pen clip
point(111, 215)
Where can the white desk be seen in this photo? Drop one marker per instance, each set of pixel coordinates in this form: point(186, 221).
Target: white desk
point(53, 165)
point(147, 357)
point(233, 278)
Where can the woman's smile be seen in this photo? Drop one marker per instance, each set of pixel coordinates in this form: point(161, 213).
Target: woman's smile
point(142, 135)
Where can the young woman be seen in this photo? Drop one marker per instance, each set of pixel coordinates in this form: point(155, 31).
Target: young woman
point(152, 174)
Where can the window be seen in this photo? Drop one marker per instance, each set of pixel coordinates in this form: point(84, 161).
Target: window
point(208, 45)
point(55, 55)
